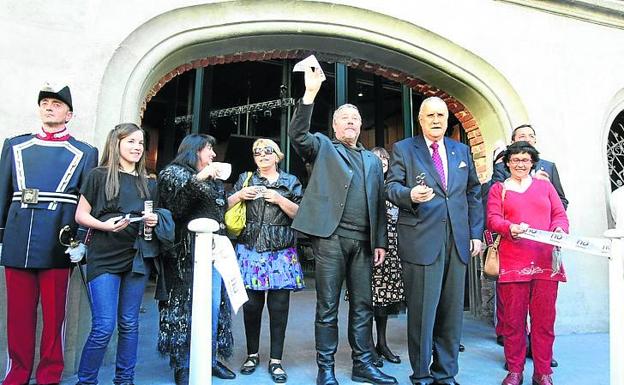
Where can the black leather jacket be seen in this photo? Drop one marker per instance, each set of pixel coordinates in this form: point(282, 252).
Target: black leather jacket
point(268, 227)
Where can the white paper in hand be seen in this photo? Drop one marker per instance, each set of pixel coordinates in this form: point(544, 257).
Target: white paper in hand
point(224, 170)
point(309, 62)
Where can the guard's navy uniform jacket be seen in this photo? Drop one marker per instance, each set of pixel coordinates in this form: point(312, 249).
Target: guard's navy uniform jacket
point(39, 189)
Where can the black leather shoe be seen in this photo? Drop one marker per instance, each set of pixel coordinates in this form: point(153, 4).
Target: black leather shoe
point(553, 363)
point(371, 374)
point(461, 348)
point(278, 378)
point(181, 376)
point(250, 365)
point(221, 371)
point(326, 376)
point(386, 353)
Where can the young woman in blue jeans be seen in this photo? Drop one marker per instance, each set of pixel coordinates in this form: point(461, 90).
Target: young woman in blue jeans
point(113, 194)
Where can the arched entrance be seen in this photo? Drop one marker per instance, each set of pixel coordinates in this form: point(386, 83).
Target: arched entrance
point(204, 35)
point(186, 36)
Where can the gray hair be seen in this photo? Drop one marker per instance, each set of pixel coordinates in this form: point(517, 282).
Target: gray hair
point(346, 105)
point(429, 100)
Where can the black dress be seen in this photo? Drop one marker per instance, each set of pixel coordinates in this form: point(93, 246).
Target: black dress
point(388, 291)
point(113, 252)
point(188, 198)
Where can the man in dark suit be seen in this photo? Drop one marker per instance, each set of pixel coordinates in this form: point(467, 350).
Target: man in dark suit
point(542, 170)
point(343, 211)
point(434, 182)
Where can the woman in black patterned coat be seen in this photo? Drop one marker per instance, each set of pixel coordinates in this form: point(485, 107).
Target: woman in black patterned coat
point(187, 188)
point(388, 295)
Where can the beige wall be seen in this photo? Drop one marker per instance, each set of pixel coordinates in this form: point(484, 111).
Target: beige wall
point(565, 73)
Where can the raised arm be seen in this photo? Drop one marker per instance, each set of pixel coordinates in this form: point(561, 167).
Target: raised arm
point(305, 144)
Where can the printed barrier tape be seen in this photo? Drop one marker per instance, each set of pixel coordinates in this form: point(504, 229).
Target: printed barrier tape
point(595, 246)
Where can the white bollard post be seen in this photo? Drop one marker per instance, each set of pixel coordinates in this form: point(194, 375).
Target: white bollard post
point(616, 287)
point(200, 368)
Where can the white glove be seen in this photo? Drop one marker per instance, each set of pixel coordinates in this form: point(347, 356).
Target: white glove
point(76, 253)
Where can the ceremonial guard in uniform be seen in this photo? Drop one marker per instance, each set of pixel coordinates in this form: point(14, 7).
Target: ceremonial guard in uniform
point(40, 179)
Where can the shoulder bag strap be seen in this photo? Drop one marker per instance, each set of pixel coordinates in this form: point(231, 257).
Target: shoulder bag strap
point(246, 182)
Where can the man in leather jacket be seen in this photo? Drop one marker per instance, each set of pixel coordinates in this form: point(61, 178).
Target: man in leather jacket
point(343, 210)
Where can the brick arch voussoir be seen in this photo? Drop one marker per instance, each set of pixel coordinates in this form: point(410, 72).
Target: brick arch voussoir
point(467, 121)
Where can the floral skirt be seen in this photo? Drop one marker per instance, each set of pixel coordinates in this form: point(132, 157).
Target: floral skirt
point(270, 269)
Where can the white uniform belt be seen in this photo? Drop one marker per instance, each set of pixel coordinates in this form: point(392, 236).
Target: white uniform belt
point(44, 196)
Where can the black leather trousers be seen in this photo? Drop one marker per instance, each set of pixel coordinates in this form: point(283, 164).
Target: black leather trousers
point(338, 258)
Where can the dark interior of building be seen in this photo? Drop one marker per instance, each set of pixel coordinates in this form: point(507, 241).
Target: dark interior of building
point(241, 102)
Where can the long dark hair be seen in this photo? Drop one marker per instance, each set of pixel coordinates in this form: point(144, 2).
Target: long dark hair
point(111, 157)
point(190, 146)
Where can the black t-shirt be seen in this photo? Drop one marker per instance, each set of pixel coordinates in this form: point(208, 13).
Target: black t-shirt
point(354, 221)
point(111, 252)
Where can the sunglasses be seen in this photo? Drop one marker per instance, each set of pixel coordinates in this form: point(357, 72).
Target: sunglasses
point(266, 150)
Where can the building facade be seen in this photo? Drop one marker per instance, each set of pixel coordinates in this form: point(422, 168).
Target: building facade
point(555, 64)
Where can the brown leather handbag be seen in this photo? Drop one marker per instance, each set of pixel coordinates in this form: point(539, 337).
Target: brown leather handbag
point(491, 265)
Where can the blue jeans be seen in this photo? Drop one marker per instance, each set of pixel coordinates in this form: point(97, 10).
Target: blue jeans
point(216, 301)
point(116, 298)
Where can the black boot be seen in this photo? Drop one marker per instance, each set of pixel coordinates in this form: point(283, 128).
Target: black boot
point(386, 353)
point(382, 350)
point(181, 376)
point(326, 342)
point(377, 358)
point(371, 374)
point(326, 375)
point(223, 372)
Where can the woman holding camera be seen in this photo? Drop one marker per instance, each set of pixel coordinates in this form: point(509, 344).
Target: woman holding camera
point(266, 251)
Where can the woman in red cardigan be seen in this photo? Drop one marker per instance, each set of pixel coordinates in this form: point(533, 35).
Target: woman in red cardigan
point(529, 276)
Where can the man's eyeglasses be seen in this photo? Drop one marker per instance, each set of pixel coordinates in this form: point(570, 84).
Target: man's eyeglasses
point(520, 161)
point(266, 150)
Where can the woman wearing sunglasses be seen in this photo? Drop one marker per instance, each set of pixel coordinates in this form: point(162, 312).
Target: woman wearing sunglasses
point(266, 251)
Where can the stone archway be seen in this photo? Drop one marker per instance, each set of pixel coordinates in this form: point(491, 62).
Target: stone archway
point(180, 39)
point(465, 117)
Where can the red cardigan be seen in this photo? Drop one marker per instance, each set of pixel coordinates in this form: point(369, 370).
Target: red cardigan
point(539, 206)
